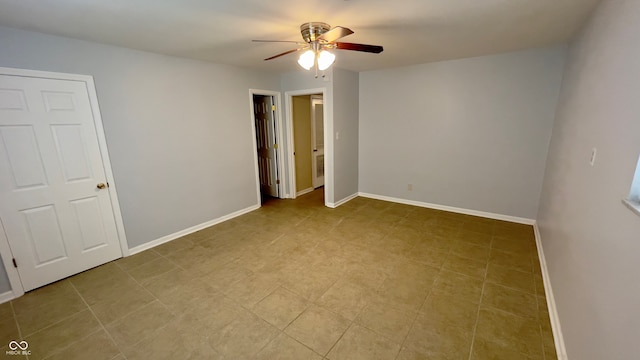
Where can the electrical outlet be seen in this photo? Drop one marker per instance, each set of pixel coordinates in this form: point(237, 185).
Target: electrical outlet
point(593, 156)
point(410, 187)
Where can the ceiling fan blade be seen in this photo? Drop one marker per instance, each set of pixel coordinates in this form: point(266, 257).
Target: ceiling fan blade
point(282, 54)
point(335, 34)
point(281, 41)
point(377, 49)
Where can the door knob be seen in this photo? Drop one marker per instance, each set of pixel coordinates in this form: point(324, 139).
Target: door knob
point(101, 186)
point(315, 150)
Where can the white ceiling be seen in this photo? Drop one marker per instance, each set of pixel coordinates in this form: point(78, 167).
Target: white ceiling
point(220, 31)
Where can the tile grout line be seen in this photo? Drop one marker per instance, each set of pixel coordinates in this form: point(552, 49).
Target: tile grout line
point(508, 313)
point(145, 289)
point(137, 309)
point(250, 309)
point(99, 321)
point(279, 285)
point(537, 295)
point(314, 302)
point(130, 312)
point(138, 283)
point(544, 353)
point(15, 319)
point(56, 322)
point(475, 326)
point(402, 345)
point(337, 341)
point(74, 343)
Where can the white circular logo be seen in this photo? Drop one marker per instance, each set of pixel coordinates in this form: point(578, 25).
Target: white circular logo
point(14, 345)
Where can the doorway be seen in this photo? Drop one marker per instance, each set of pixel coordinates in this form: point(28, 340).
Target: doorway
point(264, 114)
point(284, 145)
point(308, 142)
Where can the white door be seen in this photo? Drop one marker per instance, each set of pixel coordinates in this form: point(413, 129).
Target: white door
point(57, 214)
point(317, 141)
point(266, 143)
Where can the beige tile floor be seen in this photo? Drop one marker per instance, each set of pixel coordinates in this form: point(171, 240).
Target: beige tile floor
point(295, 280)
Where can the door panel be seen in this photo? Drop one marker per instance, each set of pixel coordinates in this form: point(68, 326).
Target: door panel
point(23, 155)
point(88, 217)
point(266, 144)
point(58, 101)
point(12, 99)
point(57, 222)
point(44, 233)
point(72, 152)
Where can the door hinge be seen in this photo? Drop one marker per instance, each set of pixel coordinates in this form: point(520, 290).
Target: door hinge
point(278, 182)
point(275, 146)
point(15, 264)
point(273, 108)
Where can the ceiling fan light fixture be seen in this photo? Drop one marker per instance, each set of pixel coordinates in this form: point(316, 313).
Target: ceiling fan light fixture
point(325, 59)
point(318, 37)
point(307, 59)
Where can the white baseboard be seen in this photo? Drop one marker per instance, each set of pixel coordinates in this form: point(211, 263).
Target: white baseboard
point(181, 233)
point(7, 296)
point(340, 202)
point(484, 214)
point(305, 191)
point(551, 303)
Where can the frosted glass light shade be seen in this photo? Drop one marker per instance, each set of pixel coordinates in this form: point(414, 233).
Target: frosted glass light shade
point(325, 59)
point(307, 59)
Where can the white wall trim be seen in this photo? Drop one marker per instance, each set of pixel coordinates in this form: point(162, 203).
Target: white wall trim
point(102, 141)
point(341, 202)
point(305, 191)
point(6, 296)
point(291, 161)
point(484, 214)
point(561, 350)
point(181, 233)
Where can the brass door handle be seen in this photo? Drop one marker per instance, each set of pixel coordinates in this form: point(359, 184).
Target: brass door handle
point(101, 186)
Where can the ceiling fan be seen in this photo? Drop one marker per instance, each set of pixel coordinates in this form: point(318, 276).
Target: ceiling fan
point(319, 39)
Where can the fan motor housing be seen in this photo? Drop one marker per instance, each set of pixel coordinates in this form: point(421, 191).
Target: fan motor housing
point(312, 30)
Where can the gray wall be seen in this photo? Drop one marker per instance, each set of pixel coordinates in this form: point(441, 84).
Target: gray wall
point(345, 122)
point(178, 131)
point(470, 133)
point(591, 241)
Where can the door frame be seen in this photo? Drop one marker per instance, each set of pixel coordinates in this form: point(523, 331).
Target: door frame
point(327, 121)
point(314, 138)
point(5, 248)
point(282, 193)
